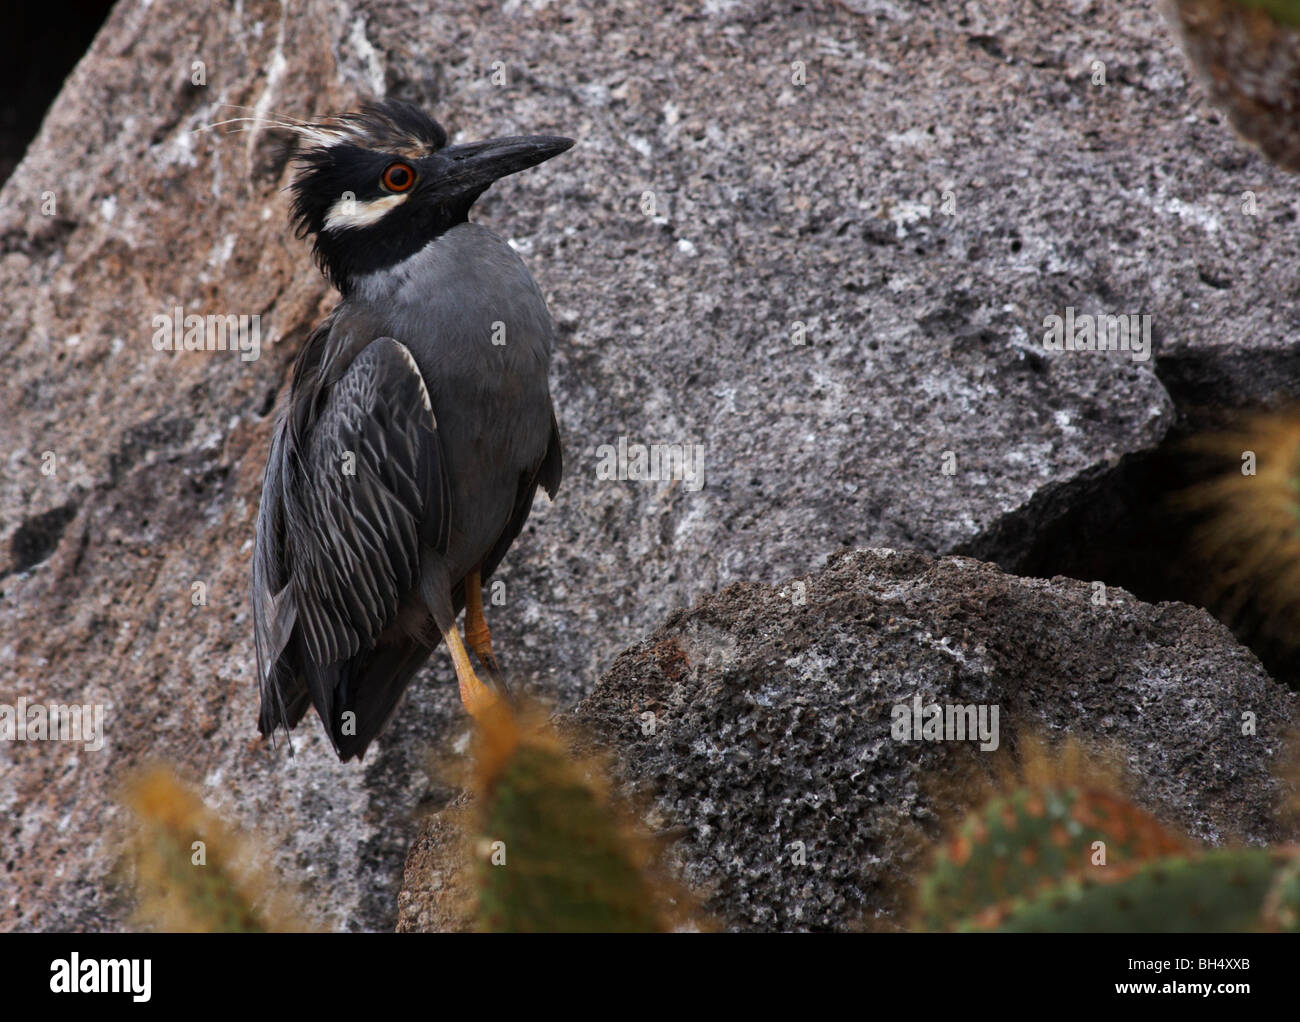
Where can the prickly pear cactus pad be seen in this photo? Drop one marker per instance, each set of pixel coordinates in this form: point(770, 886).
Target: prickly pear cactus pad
point(1033, 839)
point(192, 871)
point(552, 854)
point(1225, 891)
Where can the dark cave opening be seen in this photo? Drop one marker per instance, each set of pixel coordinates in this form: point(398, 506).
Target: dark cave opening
point(37, 51)
point(1124, 527)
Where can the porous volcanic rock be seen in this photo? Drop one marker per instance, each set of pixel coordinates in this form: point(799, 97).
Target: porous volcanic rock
point(768, 764)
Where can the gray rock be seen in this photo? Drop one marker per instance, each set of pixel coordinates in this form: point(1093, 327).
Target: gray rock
point(755, 731)
point(772, 724)
point(774, 204)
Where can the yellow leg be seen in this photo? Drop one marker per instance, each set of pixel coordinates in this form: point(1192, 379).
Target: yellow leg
point(479, 700)
point(476, 630)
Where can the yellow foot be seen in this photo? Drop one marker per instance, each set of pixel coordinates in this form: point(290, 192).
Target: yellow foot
point(479, 700)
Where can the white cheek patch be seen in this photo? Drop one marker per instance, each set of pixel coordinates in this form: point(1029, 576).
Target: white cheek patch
point(347, 212)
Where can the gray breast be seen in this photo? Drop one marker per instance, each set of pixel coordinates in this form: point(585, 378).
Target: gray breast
point(478, 328)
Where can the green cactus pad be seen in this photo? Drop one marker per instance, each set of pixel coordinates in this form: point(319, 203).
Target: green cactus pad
point(1031, 839)
point(569, 866)
point(1284, 12)
point(1223, 891)
point(213, 896)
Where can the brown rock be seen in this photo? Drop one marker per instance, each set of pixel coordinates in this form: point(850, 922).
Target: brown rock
point(1249, 62)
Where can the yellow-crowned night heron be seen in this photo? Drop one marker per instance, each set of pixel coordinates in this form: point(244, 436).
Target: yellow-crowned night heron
point(417, 429)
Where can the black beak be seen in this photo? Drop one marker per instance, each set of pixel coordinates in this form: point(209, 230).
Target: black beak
point(475, 165)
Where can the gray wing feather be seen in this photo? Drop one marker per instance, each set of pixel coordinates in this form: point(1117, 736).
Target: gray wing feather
point(355, 486)
point(274, 611)
point(359, 499)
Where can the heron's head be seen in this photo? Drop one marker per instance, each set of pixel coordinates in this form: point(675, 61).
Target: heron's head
point(374, 187)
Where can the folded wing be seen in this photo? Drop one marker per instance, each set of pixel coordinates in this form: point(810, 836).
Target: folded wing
point(355, 487)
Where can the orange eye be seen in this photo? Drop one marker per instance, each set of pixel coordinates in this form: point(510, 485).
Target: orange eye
point(398, 177)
